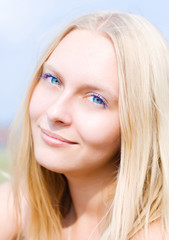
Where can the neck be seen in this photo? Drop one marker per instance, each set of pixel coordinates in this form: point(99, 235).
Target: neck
point(90, 195)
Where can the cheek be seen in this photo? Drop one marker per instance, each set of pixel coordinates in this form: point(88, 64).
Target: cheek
point(99, 129)
point(33, 107)
point(38, 103)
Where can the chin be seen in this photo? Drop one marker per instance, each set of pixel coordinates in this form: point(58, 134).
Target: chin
point(50, 163)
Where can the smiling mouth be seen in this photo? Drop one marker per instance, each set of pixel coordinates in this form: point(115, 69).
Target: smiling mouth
point(55, 139)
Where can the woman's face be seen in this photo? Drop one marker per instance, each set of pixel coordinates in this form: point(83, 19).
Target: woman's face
point(74, 107)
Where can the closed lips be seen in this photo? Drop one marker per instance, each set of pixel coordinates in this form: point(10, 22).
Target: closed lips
point(56, 136)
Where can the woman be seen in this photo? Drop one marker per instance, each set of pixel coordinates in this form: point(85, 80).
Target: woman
point(91, 156)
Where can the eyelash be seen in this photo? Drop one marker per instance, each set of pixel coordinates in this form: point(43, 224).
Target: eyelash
point(96, 95)
point(48, 75)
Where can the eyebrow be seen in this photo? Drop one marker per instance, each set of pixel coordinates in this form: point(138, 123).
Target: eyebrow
point(112, 96)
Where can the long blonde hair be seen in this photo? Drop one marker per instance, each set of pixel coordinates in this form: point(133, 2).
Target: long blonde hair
point(142, 191)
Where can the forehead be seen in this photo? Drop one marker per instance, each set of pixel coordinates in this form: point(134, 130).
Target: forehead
point(85, 55)
point(85, 44)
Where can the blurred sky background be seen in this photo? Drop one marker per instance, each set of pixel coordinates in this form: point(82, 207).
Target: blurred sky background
point(27, 26)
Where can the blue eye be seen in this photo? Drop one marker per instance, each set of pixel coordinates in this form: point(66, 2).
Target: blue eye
point(96, 98)
point(50, 78)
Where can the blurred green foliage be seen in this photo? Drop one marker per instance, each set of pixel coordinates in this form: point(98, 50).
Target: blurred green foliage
point(4, 165)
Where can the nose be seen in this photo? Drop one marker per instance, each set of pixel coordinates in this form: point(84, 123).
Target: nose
point(59, 111)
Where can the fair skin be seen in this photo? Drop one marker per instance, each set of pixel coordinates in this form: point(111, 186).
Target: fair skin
point(80, 104)
point(69, 103)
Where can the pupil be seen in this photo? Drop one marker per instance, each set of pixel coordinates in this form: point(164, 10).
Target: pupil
point(98, 100)
point(54, 80)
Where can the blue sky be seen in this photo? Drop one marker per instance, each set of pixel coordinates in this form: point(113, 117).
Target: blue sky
point(27, 26)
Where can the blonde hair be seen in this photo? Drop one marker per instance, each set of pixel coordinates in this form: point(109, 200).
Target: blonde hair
point(142, 191)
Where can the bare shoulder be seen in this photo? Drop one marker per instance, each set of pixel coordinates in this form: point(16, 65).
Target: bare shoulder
point(7, 212)
point(155, 232)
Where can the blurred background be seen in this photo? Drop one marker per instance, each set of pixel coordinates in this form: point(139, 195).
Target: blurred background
point(26, 28)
